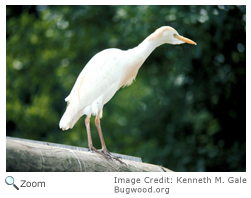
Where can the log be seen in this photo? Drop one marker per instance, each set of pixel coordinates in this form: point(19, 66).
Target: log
point(28, 156)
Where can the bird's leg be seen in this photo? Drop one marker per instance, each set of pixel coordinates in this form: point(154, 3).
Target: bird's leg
point(104, 149)
point(87, 124)
point(97, 122)
point(91, 147)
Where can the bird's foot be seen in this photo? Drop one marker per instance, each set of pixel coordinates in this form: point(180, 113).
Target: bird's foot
point(105, 153)
point(93, 149)
point(111, 156)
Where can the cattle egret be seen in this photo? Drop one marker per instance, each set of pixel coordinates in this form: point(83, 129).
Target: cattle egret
point(104, 74)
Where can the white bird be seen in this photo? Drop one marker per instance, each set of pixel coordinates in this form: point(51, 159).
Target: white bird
point(105, 74)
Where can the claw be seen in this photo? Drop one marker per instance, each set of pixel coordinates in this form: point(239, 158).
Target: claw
point(93, 149)
point(107, 153)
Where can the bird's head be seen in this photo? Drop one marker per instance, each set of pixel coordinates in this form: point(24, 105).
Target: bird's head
point(167, 34)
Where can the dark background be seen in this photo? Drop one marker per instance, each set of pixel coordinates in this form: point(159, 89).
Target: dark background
point(187, 109)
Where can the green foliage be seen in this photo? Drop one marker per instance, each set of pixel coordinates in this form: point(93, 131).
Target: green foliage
point(186, 110)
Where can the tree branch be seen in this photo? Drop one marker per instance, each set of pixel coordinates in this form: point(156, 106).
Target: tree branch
point(25, 156)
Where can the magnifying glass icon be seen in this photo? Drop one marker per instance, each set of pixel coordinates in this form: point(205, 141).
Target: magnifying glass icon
point(10, 181)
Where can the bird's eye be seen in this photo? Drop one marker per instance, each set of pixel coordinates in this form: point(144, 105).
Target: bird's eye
point(175, 35)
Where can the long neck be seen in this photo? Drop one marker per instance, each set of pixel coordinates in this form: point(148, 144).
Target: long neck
point(135, 58)
point(146, 47)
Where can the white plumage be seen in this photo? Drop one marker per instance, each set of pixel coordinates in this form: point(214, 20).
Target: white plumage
point(104, 74)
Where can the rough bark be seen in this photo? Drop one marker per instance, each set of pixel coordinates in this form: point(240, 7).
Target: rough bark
point(23, 156)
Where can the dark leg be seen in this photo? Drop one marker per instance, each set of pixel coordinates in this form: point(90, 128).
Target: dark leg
point(91, 147)
point(104, 149)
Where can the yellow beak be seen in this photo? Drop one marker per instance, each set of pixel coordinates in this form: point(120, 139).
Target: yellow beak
point(186, 40)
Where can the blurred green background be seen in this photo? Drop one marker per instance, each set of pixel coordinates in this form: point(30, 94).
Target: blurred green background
point(187, 109)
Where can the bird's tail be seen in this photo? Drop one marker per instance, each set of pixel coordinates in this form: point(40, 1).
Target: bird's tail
point(65, 121)
point(70, 116)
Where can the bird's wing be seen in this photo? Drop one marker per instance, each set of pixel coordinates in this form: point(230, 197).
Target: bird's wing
point(100, 73)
